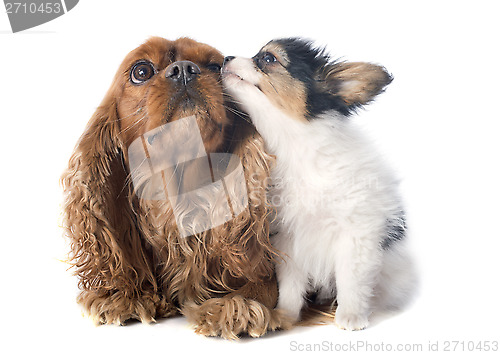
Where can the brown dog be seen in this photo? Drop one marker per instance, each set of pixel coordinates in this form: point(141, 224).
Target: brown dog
point(131, 260)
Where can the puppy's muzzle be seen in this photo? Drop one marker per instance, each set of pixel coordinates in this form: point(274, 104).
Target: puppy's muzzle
point(182, 72)
point(228, 59)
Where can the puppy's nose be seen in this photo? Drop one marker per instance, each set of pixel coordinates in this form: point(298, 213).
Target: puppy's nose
point(228, 59)
point(182, 71)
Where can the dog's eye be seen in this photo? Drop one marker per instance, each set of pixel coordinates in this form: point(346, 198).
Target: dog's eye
point(141, 72)
point(214, 67)
point(269, 58)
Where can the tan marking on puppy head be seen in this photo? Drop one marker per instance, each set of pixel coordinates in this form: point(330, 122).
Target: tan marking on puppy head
point(283, 90)
point(286, 93)
point(278, 51)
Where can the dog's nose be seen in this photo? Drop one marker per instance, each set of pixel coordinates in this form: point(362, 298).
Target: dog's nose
point(182, 71)
point(228, 58)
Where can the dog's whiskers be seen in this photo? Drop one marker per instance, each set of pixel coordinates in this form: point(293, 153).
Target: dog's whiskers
point(134, 124)
point(129, 178)
point(239, 113)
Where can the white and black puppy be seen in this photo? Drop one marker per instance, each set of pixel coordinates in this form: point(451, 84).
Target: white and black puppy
point(341, 225)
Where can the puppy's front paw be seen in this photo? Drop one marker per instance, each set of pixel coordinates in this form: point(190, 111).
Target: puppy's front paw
point(350, 320)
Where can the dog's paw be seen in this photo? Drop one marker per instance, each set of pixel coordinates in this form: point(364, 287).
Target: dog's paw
point(350, 320)
point(231, 316)
point(117, 308)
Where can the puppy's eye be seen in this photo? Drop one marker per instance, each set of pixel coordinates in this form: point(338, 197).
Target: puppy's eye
point(141, 72)
point(269, 58)
point(214, 67)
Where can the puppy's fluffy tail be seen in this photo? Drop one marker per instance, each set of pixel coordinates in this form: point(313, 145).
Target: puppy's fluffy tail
point(398, 283)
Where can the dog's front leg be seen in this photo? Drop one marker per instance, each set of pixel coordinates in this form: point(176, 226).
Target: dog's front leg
point(248, 310)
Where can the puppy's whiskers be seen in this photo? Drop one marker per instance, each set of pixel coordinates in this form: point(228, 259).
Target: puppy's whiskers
point(231, 98)
point(230, 86)
point(270, 83)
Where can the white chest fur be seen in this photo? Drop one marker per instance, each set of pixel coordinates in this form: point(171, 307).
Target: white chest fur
point(334, 198)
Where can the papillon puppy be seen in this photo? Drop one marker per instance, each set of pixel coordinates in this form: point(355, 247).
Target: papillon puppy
point(340, 222)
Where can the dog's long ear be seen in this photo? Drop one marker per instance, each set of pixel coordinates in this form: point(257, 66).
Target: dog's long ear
point(244, 245)
point(106, 247)
point(355, 83)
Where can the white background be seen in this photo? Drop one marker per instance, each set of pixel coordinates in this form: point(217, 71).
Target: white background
point(438, 124)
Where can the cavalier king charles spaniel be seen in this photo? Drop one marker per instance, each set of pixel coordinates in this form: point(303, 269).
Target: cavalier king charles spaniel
point(133, 258)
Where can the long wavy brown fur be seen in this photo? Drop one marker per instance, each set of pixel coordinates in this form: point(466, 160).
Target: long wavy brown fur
point(127, 252)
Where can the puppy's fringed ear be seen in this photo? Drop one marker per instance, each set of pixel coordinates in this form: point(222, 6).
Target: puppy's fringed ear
point(355, 83)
